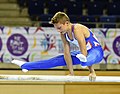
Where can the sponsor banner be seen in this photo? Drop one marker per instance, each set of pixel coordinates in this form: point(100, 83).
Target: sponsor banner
point(38, 43)
point(110, 41)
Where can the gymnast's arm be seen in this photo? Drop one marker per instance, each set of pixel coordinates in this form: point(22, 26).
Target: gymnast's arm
point(79, 34)
point(67, 55)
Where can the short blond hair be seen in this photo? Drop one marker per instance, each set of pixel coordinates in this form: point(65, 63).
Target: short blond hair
point(59, 17)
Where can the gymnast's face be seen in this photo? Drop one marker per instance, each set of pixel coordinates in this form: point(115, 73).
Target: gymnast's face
point(62, 28)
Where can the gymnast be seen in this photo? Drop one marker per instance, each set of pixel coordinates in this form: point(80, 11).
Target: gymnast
point(90, 51)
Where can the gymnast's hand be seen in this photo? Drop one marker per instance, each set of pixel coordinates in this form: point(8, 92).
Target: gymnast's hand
point(92, 77)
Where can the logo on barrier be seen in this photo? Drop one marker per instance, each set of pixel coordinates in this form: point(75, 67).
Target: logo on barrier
point(17, 44)
point(0, 43)
point(116, 45)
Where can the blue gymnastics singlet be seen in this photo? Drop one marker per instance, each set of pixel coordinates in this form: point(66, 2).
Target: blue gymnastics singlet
point(91, 41)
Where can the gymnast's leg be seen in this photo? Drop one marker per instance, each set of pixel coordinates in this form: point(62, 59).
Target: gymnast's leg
point(95, 55)
point(46, 64)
